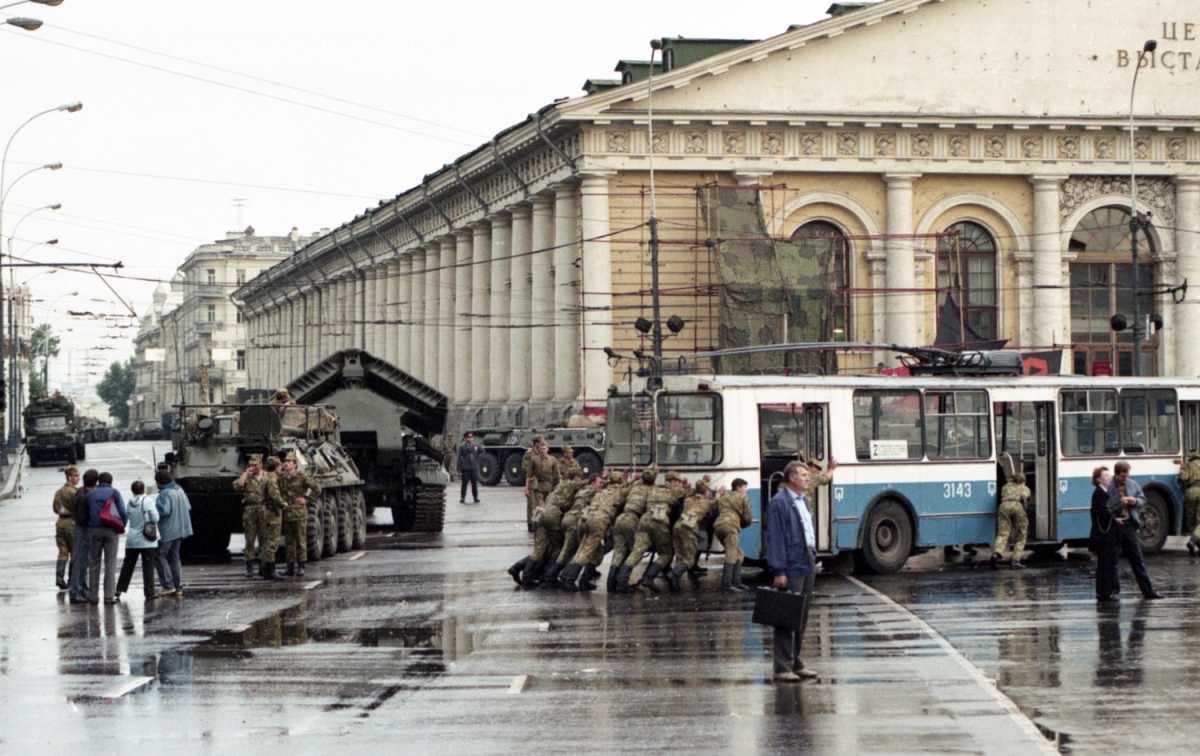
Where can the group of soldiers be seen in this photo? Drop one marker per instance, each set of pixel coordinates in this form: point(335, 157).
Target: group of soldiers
point(276, 504)
point(576, 521)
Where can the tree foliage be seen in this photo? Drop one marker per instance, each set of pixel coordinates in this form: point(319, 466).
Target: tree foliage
point(116, 389)
point(42, 343)
point(37, 387)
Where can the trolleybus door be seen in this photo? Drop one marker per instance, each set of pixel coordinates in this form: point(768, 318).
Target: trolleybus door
point(1045, 494)
point(785, 432)
point(816, 449)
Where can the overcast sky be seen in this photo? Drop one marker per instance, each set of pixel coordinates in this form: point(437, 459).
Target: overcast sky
point(303, 113)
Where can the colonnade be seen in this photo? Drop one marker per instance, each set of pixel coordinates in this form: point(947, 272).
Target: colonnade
point(510, 310)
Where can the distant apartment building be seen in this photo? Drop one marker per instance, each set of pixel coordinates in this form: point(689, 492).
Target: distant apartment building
point(191, 344)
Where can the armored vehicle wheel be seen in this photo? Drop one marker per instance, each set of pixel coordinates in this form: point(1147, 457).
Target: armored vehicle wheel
point(513, 472)
point(360, 521)
point(490, 471)
point(316, 531)
point(329, 522)
point(591, 464)
point(81, 451)
point(345, 520)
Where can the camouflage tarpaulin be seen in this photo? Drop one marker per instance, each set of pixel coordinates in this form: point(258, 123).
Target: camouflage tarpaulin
point(771, 292)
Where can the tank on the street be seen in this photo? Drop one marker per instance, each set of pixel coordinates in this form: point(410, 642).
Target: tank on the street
point(214, 445)
point(50, 432)
point(504, 448)
point(387, 418)
point(91, 429)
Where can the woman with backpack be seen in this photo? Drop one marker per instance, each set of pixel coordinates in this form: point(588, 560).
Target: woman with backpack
point(141, 540)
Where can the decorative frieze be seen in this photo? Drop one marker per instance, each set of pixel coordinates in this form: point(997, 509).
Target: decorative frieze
point(922, 144)
point(810, 143)
point(885, 144)
point(847, 143)
point(734, 142)
point(1152, 191)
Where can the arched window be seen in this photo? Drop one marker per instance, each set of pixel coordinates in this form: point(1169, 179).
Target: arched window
point(967, 270)
point(821, 240)
point(1102, 286)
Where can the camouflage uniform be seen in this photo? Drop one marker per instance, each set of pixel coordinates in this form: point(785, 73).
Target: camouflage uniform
point(815, 480)
point(270, 522)
point(625, 528)
point(295, 516)
point(685, 536)
point(541, 478)
point(733, 514)
point(595, 522)
point(1189, 479)
point(654, 529)
point(1011, 515)
point(526, 464)
point(548, 540)
point(252, 513)
point(64, 530)
point(567, 469)
point(571, 521)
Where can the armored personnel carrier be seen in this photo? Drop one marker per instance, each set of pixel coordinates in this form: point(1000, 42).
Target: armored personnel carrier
point(91, 430)
point(50, 434)
point(504, 448)
point(211, 451)
point(387, 418)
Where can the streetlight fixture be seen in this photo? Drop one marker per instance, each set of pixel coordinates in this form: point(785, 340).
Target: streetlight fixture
point(1136, 222)
point(28, 24)
point(51, 3)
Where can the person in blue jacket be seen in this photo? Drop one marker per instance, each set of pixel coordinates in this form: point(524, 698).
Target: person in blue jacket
point(790, 557)
point(103, 539)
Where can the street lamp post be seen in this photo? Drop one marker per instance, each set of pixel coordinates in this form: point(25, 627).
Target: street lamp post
point(1135, 222)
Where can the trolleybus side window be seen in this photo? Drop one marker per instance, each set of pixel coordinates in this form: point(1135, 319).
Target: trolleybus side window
point(630, 431)
point(781, 430)
point(1191, 427)
point(690, 429)
point(1089, 423)
point(1149, 421)
point(887, 424)
point(956, 425)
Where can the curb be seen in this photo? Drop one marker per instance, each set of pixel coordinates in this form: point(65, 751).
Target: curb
point(12, 483)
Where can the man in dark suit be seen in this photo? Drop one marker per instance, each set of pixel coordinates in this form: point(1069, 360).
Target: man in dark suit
point(468, 466)
point(1126, 493)
point(790, 556)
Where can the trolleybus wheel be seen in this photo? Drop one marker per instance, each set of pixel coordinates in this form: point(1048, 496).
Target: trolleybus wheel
point(1155, 524)
point(888, 540)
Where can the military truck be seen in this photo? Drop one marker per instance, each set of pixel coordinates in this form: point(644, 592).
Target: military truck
point(504, 448)
point(212, 450)
point(151, 430)
point(50, 434)
point(387, 419)
point(91, 430)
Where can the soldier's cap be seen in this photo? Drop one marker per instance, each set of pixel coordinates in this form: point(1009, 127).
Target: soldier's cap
point(615, 478)
point(538, 439)
point(70, 470)
point(814, 465)
point(648, 476)
point(272, 460)
point(701, 485)
point(282, 394)
point(290, 457)
point(672, 476)
point(254, 459)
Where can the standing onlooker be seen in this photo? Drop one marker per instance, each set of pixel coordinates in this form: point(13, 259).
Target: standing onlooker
point(250, 483)
point(175, 524)
point(468, 466)
point(64, 527)
point(790, 556)
point(1105, 536)
point(297, 489)
point(103, 539)
point(1128, 494)
point(141, 511)
point(78, 590)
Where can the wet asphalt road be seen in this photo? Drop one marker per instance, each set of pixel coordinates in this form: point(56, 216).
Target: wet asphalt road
point(422, 644)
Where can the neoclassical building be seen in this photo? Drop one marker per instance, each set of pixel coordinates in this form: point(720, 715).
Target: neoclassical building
point(838, 182)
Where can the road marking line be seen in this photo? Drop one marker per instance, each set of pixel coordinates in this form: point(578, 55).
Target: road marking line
point(311, 584)
point(544, 627)
point(239, 628)
point(37, 540)
point(356, 555)
point(129, 687)
point(518, 684)
point(988, 684)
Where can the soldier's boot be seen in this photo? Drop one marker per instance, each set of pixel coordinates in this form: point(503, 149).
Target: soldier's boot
point(674, 576)
point(60, 574)
point(648, 577)
point(611, 583)
point(291, 570)
point(262, 568)
point(269, 572)
point(550, 578)
point(1016, 564)
point(250, 568)
point(995, 560)
point(738, 585)
point(568, 576)
point(587, 581)
point(727, 579)
point(300, 569)
point(533, 574)
point(1193, 545)
point(623, 584)
point(518, 568)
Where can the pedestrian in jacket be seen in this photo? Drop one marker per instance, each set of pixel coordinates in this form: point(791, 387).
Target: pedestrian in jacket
point(1105, 538)
point(175, 524)
point(103, 539)
point(468, 466)
point(1126, 494)
point(791, 557)
point(142, 509)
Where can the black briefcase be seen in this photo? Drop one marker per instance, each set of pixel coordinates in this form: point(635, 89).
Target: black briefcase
point(778, 608)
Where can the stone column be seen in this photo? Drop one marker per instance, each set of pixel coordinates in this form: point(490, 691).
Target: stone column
point(567, 354)
point(337, 324)
point(464, 276)
point(391, 312)
point(1186, 323)
point(399, 299)
point(361, 287)
point(596, 287)
point(901, 303)
point(416, 315)
point(384, 275)
point(447, 303)
point(480, 321)
point(1024, 277)
point(543, 315)
point(521, 363)
point(433, 278)
point(368, 306)
point(1048, 292)
point(501, 302)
